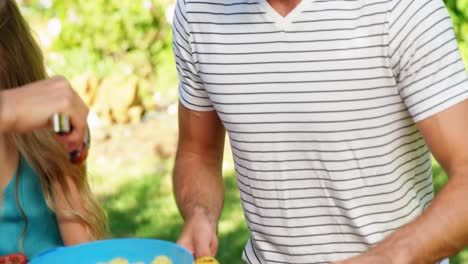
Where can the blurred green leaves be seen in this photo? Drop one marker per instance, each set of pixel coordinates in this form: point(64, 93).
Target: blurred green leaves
point(129, 33)
point(105, 37)
point(458, 10)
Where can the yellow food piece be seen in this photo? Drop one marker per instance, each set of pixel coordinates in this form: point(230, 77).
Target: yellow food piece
point(161, 260)
point(204, 260)
point(119, 261)
point(157, 260)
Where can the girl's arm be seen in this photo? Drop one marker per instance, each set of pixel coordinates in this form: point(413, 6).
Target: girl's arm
point(72, 229)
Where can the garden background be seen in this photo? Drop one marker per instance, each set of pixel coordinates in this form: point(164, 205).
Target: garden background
point(118, 55)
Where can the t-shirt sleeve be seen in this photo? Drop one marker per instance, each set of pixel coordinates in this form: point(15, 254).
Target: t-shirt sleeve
point(192, 93)
point(425, 58)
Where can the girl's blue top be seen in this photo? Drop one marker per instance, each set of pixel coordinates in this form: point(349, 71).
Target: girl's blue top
point(42, 232)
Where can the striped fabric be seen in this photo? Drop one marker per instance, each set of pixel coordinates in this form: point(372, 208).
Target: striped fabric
point(320, 108)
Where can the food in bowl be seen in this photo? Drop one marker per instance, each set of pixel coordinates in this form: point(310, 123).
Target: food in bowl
point(116, 261)
point(161, 260)
point(157, 260)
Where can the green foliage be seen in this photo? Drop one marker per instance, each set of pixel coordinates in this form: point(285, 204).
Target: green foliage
point(107, 37)
point(458, 10)
point(131, 34)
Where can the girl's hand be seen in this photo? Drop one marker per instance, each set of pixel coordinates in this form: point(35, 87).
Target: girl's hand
point(30, 107)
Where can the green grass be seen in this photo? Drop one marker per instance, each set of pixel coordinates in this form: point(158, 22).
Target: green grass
point(143, 206)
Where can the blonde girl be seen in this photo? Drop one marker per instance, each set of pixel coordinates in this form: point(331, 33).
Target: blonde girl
point(45, 201)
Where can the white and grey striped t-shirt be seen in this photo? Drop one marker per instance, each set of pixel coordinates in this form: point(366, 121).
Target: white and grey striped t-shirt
point(320, 108)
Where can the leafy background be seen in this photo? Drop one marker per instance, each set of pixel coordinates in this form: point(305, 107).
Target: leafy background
point(131, 161)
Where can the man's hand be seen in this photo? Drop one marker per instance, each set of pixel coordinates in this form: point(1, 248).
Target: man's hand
point(30, 107)
point(365, 259)
point(199, 236)
point(369, 258)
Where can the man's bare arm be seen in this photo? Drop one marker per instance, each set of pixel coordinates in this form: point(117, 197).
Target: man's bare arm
point(198, 182)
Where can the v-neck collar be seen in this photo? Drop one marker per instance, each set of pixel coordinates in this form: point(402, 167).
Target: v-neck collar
point(278, 18)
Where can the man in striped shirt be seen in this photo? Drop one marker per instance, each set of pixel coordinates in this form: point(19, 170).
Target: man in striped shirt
point(332, 108)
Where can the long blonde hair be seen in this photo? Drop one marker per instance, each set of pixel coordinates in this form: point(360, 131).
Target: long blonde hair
point(21, 62)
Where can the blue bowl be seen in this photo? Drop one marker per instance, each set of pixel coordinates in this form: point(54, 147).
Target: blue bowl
point(132, 249)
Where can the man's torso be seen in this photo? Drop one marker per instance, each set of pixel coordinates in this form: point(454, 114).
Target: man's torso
point(328, 159)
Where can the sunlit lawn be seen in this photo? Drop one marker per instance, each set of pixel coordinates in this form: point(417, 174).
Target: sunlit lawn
point(140, 204)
